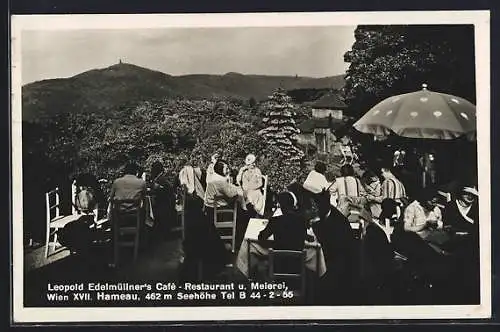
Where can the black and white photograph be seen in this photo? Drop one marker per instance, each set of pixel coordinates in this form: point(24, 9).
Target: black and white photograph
point(279, 166)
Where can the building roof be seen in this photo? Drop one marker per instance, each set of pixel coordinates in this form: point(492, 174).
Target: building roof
point(331, 100)
point(308, 126)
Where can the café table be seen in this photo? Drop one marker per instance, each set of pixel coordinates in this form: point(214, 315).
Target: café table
point(251, 247)
point(447, 241)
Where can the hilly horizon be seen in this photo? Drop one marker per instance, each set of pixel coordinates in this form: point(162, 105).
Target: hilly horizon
point(98, 90)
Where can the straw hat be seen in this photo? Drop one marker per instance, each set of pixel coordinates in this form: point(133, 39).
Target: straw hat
point(250, 159)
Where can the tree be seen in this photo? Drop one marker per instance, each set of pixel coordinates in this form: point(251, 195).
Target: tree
point(391, 60)
point(281, 129)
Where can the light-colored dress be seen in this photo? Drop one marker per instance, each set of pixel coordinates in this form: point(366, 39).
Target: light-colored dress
point(251, 180)
point(190, 178)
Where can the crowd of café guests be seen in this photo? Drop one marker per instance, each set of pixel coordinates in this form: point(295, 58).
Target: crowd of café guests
point(421, 224)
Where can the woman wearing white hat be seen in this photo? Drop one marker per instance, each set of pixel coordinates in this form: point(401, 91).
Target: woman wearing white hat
point(250, 179)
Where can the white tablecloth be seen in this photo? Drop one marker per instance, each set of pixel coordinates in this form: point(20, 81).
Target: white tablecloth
point(315, 260)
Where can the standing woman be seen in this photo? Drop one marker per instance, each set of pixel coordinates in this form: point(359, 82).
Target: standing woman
point(250, 179)
point(164, 200)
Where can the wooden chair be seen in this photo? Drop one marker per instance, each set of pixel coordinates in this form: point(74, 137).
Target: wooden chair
point(225, 220)
point(54, 220)
point(297, 271)
point(126, 230)
point(181, 213)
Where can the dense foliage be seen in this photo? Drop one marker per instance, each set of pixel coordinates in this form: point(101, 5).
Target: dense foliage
point(390, 60)
point(174, 131)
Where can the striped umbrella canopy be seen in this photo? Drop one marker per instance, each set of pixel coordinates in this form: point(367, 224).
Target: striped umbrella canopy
point(421, 114)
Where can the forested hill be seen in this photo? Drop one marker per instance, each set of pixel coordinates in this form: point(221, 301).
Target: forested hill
point(99, 90)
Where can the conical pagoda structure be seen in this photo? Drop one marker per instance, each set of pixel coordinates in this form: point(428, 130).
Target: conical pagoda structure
point(281, 129)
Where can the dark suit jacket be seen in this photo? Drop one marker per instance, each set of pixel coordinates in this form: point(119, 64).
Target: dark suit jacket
point(453, 217)
point(289, 231)
point(377, 254)
point(339, 246)
point(128, 187)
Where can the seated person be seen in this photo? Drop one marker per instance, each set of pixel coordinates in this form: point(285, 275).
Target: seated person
point(373, 189)
point(128, 187)
point(88, 183)
point(163, 203)
point(202, 243)
point(377, 255)
point(316, 181)
point(289, 228)
point(338, 242)
point(77, 236)
point(390, 213)
point(422, 214)
point(220, 192)
point(462, 213)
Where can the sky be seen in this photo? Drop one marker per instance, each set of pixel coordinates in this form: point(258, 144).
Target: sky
point(305, 51)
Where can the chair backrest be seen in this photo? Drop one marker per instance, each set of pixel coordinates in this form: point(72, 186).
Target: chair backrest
point(288, 265)
point(115, 211)
point(52, 203)
point(224, 220)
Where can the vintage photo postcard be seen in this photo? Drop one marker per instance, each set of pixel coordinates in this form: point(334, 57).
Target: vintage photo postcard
point(233, 167)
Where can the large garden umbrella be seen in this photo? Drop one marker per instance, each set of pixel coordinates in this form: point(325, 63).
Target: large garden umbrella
point(421, 114)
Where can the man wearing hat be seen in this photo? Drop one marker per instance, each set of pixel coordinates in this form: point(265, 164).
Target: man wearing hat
point(250, 179)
